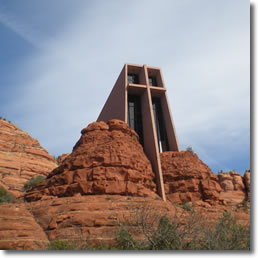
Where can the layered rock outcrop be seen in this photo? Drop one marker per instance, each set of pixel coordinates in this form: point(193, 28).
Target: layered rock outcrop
point(107, 159)
point(231, 181)
point(19, 230)
point(94, 219)
point(235, 188)
point(21, 158)
point(188, 179)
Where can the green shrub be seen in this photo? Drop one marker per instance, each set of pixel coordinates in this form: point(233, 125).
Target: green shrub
point(193, 233)
point(60, 245)
point(189, 149)
point(187, 207)
point(2, 118)
point(32, 182)
point(166, 237)
point(126, 242)
point(6, 197)
point(228, 235)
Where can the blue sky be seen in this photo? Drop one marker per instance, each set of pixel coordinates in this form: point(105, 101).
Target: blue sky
point(59, 60)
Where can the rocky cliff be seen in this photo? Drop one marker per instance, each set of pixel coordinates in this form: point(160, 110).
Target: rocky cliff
point(21, 158)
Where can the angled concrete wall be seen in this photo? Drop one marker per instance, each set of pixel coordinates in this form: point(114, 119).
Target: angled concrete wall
point(116, 104)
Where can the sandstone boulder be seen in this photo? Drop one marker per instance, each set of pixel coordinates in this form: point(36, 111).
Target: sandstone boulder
point(233, 187)
point(188, 179)
point(21, 158)
point(107, 159)
point(231, 181)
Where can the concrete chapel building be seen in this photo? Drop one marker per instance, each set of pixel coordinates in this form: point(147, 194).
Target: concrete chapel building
point(139, 98)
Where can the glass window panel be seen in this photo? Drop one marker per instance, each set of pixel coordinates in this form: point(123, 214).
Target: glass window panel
point(152, 81)
point(133, 78)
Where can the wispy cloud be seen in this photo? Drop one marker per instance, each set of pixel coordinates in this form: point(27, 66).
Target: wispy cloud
point(18, 27)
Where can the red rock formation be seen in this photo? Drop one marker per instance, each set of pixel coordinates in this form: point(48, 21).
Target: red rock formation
point(107, 159)
point(61, 158)
point(188, 179)
point(247, 183)
point(93, 219)
point(19, 230)
point(233, 187)
point(106, 163)
point(21, 158)
point(231, 181)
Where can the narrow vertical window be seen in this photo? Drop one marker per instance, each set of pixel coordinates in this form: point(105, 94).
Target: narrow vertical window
point(135, 115)
point(160, 125)
point(152, 81)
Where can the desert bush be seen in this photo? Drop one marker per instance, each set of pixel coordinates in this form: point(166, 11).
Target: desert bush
point(60, 245)
point(228, 235)
point(193, 232)
point(6, 197)
point(32, 182)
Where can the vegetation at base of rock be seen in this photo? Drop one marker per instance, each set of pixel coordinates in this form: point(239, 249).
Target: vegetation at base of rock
point(6, 197)
point(171, 234)
point(228, 235)
point(32, 182)
point(60, 245)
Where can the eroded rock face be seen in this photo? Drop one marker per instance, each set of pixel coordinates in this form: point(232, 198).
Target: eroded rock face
point(21, 158)
point(107, 159)
point(94, 219)
point(188, 179)
point(19, 230)
point(234, 187)
point(231, 181)
point(247, 183)
point(62, 158)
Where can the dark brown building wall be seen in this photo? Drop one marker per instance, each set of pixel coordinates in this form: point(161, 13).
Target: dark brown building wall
point(115, 106)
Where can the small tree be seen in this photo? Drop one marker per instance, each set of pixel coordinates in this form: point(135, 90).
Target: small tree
point(189, 149)
point(6, 197)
